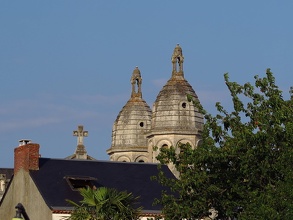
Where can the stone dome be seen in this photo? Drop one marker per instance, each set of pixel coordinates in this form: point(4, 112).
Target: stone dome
point(130, 127)
point(171, 111)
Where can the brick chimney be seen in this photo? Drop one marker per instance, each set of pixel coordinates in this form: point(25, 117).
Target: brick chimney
point(26, 156)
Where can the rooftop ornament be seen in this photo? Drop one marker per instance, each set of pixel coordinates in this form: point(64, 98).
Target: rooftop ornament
point(136, 82)
point(177, 60)
point(80, 134)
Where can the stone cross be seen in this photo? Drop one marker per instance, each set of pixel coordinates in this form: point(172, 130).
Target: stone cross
point(80, 133)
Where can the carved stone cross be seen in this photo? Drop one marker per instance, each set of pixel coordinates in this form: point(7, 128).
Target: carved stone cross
point(80, 133)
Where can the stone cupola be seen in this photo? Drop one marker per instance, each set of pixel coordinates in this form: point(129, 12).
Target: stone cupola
point(129, 143)
point(174, 119)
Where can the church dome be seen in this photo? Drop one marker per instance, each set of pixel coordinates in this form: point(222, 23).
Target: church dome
point(131, 124)
point(172, 113)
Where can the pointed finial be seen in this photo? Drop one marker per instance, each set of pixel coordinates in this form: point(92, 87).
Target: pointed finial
point(136, 71)
point(136, 80)
point(177, 60)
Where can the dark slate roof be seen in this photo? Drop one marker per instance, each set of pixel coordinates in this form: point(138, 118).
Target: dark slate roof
point(73, 157)
point(7, 171)
point(132, 177)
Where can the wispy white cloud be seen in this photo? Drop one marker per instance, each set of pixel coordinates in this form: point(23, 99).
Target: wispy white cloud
point(210, 97)
point(39, 112)
point(27, 122)
point(47, 119)
point(99, 99)
point(159, 82)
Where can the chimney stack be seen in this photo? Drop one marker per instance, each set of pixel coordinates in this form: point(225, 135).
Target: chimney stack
point(26, 156)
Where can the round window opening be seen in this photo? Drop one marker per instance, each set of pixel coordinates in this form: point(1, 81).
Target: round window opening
point(141, 124)
point(141, 161)
point(184, 105)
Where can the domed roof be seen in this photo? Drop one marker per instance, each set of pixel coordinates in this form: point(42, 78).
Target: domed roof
point(133, 121)
point(171, 111)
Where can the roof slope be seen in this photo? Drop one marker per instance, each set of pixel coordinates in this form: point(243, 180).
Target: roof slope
point(51, 181)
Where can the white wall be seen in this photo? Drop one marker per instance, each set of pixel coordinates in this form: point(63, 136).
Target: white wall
point(65, 216)
point(60, 216)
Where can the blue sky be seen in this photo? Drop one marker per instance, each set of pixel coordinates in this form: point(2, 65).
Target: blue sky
point(65, 63)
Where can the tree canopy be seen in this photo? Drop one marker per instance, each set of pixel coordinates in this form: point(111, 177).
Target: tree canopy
point(244, 165)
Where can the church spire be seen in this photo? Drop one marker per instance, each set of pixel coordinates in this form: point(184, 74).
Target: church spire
point(136, 81)
point(177, 61)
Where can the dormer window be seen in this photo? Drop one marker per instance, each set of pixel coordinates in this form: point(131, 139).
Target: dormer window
point(77, 182)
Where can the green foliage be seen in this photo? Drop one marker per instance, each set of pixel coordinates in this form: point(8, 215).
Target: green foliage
point(245, 161)
point(104, 204)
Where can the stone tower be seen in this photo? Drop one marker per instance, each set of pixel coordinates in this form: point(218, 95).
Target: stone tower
point(129, 142)
point(174, 119)
point(137, 129)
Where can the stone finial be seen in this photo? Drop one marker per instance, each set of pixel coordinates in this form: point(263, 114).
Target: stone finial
point(177, 60)
point(136, 80)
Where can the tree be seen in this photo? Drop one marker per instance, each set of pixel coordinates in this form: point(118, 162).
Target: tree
point(244, 166)
point(105, 204)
